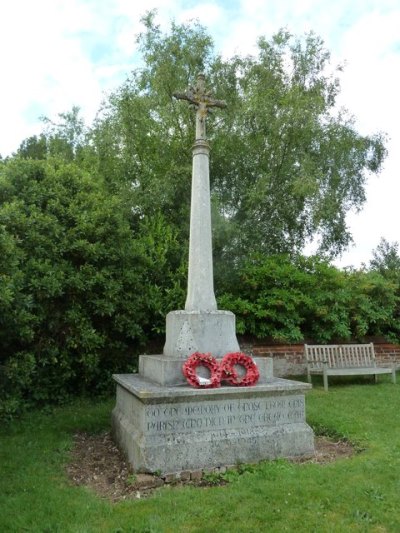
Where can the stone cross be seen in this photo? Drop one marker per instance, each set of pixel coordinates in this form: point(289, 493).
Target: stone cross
point(200, 294)
point(202, 101)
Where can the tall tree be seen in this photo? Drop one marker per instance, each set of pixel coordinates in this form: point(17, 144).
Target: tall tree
point(286, 166)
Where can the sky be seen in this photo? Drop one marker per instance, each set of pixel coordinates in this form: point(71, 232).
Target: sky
point(55, 54)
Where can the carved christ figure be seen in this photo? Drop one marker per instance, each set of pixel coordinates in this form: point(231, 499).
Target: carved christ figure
point(202, 101)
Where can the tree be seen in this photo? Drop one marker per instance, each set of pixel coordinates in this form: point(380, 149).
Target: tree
point(66, 139)
point(386, 259)
point(285, 166)
point(34, 147)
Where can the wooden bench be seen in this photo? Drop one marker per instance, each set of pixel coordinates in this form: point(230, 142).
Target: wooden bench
point(343, 360)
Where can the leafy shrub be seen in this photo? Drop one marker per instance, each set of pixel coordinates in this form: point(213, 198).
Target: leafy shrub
point(82, 285)
point(291, 299)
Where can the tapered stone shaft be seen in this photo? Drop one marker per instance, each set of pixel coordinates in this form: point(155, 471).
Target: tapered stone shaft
point(200, 327)
point(200, 292)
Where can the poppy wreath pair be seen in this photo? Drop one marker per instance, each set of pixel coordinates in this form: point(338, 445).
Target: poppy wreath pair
point(224, 371)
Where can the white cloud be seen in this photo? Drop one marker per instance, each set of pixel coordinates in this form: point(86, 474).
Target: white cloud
point(370, 91)
point(44, 65)
point(208, 14)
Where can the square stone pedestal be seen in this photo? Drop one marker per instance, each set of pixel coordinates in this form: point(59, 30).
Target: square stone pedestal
point(167, 371)
point(200, 331)
point(172, 429)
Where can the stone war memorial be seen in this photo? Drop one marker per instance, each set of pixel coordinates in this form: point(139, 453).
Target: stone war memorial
point(161, 421)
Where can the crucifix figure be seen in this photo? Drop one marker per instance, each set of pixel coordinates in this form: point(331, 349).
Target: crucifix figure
point(200, 295)
point(202, 101)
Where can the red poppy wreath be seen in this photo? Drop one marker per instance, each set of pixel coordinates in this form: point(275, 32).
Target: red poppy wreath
point(230, 374)
point(208, 361)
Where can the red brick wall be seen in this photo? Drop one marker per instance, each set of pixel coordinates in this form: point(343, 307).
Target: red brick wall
point(387, 354)
point(289, 359)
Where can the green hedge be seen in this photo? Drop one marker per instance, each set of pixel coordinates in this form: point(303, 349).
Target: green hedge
point(291, 299)
point(82, 285)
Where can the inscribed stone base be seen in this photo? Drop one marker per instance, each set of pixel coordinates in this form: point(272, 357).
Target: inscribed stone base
point(181, 428)
point(167, 371)
point(200, 331)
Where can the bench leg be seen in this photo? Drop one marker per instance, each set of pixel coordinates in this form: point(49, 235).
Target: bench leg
point(308, 376)
point(376, 378)
point(394, 375)
point(325, 376)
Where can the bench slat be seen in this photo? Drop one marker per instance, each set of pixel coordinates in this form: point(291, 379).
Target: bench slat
point(343, 359)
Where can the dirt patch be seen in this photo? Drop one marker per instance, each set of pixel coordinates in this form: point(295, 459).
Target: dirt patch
point(328, 450)
point(98, 464)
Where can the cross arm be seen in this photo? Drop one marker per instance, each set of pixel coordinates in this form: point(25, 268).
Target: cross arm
point(203, 99)
point(215, 103)
point(185, 96)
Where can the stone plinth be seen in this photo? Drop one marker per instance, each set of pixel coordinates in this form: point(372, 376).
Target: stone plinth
point(181, 428)
point(200, 331)
point(167, 371)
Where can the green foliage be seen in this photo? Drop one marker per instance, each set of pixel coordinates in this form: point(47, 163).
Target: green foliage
point(66, 139)
point(374, 305)
point(386, 262)
point(386, 259)
point(165, 276)
point(285, 165)
point(268, 301)
point(291, 299)
point(81, 287)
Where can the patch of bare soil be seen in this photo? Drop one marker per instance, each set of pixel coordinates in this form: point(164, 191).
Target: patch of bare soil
point(328, 450)
point(98, 464)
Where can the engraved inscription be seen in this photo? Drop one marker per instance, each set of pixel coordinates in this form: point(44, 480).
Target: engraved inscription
point(221, 416)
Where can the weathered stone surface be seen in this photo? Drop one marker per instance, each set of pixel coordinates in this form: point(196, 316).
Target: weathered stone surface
point(167, 371)
point(181, 428)
point(185, 475)
point(200, 328)
point(200, 294)
point(265, 367)
point(200, 331)
point(196, 475)
point(147, 481)
point(146, 391)
point(171, 477)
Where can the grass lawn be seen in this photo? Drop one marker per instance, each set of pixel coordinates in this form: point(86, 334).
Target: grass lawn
point(361, 493)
